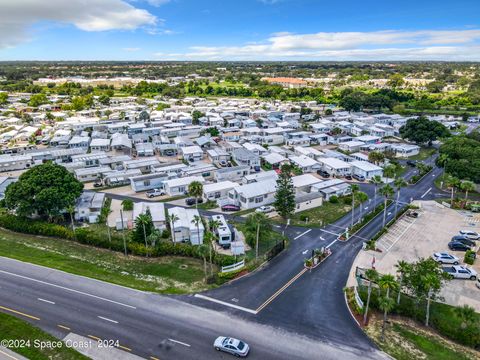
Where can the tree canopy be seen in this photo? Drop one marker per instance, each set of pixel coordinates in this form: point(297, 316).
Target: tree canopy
point(285, 195)
point(423, 131)
point(46, 190)
point(460, 156)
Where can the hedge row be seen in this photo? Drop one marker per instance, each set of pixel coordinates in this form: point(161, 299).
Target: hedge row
point(443, 318)
point(85, 235)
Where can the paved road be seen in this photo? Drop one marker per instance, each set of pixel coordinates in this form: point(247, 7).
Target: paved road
point(283, 311)
point(147, 325)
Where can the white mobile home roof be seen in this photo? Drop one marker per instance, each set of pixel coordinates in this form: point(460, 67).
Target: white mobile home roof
point(305, 180)
point(157, 209)
point(335, 163)
point(257, 188)
point(365, 165)
point(222, 185)
point(183, 181)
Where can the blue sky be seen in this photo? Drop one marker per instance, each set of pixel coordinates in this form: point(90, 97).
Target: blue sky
point(239, 30)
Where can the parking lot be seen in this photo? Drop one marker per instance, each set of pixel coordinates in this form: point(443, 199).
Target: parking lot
point(411, 239)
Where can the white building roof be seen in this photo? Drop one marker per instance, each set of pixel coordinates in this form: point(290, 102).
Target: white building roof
point(305, 180)
point(185, 218)
point(257, 188)
point(303, 161)
point(365, 165)
point(335, 163)
point(219, 186)
point(157, 209)
point(183, 181)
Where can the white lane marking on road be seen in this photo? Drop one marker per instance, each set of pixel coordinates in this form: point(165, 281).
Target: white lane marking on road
point(47, 301)
point(107, 319)
point(329, 232)
point(333, 242)
point(306, 232)
point(304, 252)
point(179, 342)
point(322, 238)
point(426, 192)
point(68, 289)
point(208, 298)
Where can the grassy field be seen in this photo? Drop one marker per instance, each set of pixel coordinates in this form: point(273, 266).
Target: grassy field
point(172, 275)
point(320, 216)
point(424, 154)
point(13, 328)
point(405, 340)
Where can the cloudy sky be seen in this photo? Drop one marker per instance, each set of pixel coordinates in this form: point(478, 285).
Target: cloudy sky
point(239, 30)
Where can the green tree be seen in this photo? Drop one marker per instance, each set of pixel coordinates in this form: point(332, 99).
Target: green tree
point(387, 283)
point(47, 190)
point(3, 98)
point(127, 205)
point(38, 99)
point(372, 276)
point(144, 116)
point(423, 131)
point(197, 220)
point(387, 191)
point(354, 188)
point(285, 195)
point(467, 185)
point(196, 115)
point(143, 227)
point(396, 81)
point(203, 252)
point(467, 314)
point(389, 171)
point(402, 267)
point(171, 220)
point(258, 224)
point(376, 181)
point(195, 189)
point(453, 183)
point(361, 198)
point(376, 157)
point(104, 99)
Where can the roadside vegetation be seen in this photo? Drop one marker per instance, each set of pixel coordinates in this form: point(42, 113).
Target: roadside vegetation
point(14, 328)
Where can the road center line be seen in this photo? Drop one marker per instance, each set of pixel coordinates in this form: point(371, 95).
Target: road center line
point(208, 298)
point(179, 342)
point(306, 232)
point(19, 313)
point(47, 301)
point(107, 319)
point(68, 289)
point(426, 192)
point(329, 232)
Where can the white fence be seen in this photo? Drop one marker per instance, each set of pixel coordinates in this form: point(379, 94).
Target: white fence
point(233, 267)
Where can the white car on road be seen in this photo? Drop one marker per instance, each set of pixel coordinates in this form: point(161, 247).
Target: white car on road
point(461, 272)
point(155, 192)
point(265, 209)
point(445, 258)
point(231, 345)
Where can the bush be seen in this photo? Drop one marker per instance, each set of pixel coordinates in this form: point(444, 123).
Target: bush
point(165, 234)
point(303, 217)
point(469, 257)
point(333, 199)
point(127, 205)
point(347, 200)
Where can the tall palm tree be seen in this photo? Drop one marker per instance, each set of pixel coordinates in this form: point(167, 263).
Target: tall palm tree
point(402, 268)
point(386, 191)
point(214, 224)
point(361, 198)
point(71, 211)
point(467, 185)
point(172, 219)
point(354, 188)
point(430, 281)
point(442, 161)
point(386, 282)
point(208, 239)
point(399, 183)
point(372, 276)
point(260, 220)
point(197, 220)
point(452, 183)
point(389, 171)
point(195, 189)
point(376, 180)
point(143, 220)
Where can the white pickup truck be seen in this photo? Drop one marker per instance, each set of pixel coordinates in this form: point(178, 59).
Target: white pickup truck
point(461, 272)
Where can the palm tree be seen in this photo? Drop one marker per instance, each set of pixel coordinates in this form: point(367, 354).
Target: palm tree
point(452, 183)
point(372, 276)
point(430, 281)
point(386, 191)
point(142, 220)
point(197, 220)
point(442, 161)
point(195, 189)
point(467, 314)
point(361, 198)
point(203, 252)
point(208, 239)
point(354, 188)
point(260, 220)
point(402, 268)
point(376, 180)
point(172, 219)
point(214, 224)
point(386, 282)
point(467, 185)
point(399, 183)
point(389, 171)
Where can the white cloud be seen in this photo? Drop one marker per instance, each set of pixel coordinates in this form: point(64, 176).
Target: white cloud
point(17, 16)
point(131, 49)
point(378, 45)
point(157, 3)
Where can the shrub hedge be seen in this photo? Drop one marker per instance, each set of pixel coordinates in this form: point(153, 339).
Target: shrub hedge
point(86, 235)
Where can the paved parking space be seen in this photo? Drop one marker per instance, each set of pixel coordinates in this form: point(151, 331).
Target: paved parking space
point(411, 239)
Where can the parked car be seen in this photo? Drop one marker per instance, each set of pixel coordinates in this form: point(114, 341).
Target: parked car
point(461, 272)
point(97, 184)
point(412, 213)
point(445, 258)
point(231, 345)
point(257, 168)
point(265, 209)
point(323, 173)
point(223, 163)
point(411, 163)
point(463, 239)
point(230, 207)
point(155, 192)
point(472, 235)
point(193, 201)
point(458, 246)
point(359, 177)
point(348, 177)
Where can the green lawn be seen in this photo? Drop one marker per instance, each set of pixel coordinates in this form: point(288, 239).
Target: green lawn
point(319, 216)
point(424, 154)
point(13, 328)
point(167, 274)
